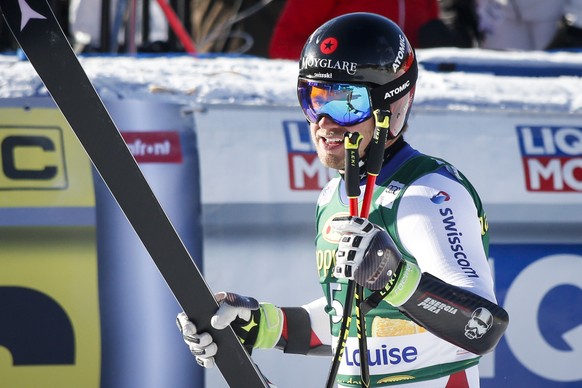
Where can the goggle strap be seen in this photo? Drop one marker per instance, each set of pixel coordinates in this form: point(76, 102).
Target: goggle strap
point(386, 94)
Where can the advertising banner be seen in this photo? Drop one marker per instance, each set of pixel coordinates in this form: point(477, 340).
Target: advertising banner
point(81, 302)
point(540, 286)
point(50, 330)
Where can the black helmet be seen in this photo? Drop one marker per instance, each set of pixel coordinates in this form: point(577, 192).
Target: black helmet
point(369, 49)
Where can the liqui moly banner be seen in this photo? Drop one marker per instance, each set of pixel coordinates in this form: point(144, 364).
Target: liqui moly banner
point(552, 158)
point(508, 156)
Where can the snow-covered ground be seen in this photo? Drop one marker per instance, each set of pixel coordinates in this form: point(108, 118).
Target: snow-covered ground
point(258, 81)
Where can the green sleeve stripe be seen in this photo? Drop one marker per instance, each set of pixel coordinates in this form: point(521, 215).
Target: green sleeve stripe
point(405, 285)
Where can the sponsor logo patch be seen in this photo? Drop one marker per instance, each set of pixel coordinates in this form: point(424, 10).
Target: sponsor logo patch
point(328, 46)
point(387, 198)
point(328, 233)
point(440, 197)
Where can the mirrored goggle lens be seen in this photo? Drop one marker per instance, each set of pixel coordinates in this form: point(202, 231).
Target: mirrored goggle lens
point(343, 103)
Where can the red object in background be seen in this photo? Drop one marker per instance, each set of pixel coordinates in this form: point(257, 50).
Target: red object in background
point(177, 27)
point(300, 18)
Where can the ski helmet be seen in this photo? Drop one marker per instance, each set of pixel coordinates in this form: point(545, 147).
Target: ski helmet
point(363, 49)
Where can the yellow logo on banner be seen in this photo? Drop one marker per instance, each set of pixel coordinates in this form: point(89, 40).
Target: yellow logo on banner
point(32, 158)
point(39, 154)
point(49, 296)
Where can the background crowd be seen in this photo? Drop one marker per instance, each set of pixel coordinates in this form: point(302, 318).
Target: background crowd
point(278, 28)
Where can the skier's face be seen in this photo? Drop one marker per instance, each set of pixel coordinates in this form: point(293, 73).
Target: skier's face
point(328, 137)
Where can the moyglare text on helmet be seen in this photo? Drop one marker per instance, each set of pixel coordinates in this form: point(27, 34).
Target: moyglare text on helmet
point(325, 63)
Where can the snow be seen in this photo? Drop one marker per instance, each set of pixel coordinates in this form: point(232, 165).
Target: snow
point(195, 80)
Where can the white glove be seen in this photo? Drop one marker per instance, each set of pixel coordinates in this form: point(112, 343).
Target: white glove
point(201, 345)
point(236, 311)
point(366, 253)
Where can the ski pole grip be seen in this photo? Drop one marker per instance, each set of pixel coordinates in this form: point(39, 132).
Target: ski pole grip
point(376, 152)
point(352, 172)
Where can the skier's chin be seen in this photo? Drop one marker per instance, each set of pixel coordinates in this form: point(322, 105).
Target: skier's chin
point(331, 161)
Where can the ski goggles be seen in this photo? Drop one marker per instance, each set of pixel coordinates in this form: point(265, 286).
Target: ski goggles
point(345, 104)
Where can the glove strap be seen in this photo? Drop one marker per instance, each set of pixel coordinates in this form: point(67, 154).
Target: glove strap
point(270, 326)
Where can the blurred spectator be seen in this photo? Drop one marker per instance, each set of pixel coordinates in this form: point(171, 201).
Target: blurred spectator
point(460, 17)
point(300, 18)
point(234, 26)
point(530, 24)
point(569, 33)
point(125, 17)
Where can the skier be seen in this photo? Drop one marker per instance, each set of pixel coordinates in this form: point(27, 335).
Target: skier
point(421, 255)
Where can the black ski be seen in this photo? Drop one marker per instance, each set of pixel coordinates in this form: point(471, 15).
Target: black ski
point(44, 43)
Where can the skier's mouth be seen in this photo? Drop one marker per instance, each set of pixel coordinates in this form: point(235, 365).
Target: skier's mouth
point(330, 143)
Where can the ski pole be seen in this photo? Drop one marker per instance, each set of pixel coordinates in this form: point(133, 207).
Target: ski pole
point(375, 157)
point(373, 166)
point(352, 181)
point(352, 170)
point(352, 173)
